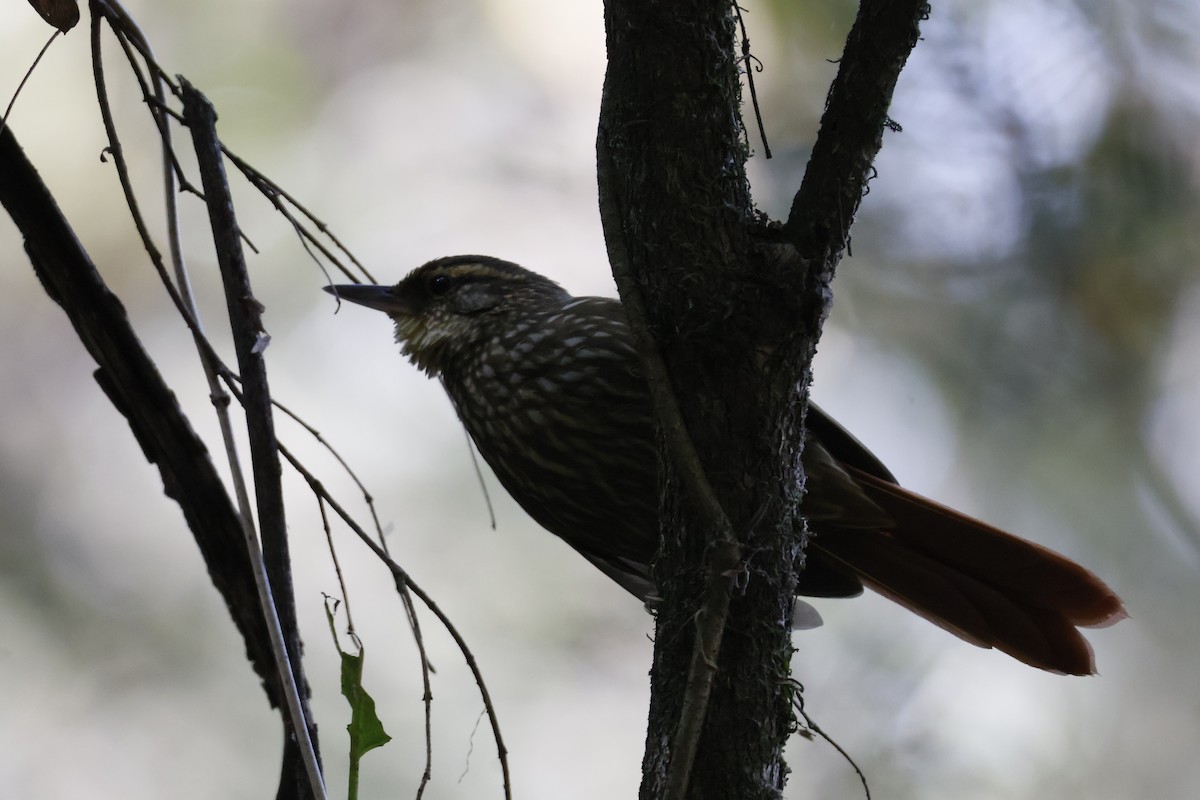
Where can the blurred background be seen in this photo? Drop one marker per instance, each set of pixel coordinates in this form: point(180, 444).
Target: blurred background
point(1016, 334)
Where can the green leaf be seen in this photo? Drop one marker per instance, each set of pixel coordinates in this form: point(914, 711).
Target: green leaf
point(365, 729)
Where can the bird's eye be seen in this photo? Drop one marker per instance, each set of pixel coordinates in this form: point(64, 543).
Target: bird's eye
point(439, 285)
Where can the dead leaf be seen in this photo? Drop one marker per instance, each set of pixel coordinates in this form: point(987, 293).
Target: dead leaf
point(62, 14)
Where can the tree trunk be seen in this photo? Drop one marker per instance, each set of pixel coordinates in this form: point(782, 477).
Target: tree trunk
point(671, 130)
point(733, 306)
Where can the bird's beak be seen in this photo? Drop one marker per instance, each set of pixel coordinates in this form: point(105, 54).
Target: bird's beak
point(379, 298)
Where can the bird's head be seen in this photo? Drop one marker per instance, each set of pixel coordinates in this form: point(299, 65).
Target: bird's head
point(456, 303)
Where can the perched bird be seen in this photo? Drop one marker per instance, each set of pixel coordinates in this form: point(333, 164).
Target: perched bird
point(550, 389)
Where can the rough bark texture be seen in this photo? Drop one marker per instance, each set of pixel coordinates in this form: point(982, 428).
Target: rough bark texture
point(734, 306)
point(671, 131)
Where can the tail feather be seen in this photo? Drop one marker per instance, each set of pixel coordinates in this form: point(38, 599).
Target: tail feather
point(985, 586)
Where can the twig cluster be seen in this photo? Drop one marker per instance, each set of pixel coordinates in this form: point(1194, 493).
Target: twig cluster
point(270, 629)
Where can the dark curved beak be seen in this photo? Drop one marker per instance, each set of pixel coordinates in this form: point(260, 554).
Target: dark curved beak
point(379, 298)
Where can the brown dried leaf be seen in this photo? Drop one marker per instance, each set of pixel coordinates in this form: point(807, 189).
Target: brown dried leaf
point(62, 14)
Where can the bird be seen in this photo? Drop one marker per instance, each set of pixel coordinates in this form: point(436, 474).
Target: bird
point(550, 389)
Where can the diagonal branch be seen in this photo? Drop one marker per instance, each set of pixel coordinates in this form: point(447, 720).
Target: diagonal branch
point(137, 389)
point(856, 115)
point(249, 341)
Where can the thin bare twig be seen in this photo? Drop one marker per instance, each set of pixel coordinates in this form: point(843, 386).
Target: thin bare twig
point(132, 382)
point(273, 192)
point(752, 65)
point(318, 489)
point(414, 624)
point(127, 32)
point(115, 150)
point(337, 566)
point(154, 86)
point(405, 583)
point(487, 497)
point(288, 686)
point(368, 498)
point(813, 727)
point(25, 78)
point(249, 340)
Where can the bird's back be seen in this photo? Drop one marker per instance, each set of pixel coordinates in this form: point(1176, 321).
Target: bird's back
point(561, 412)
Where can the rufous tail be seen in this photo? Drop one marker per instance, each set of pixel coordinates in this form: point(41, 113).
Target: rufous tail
point(985, 586)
